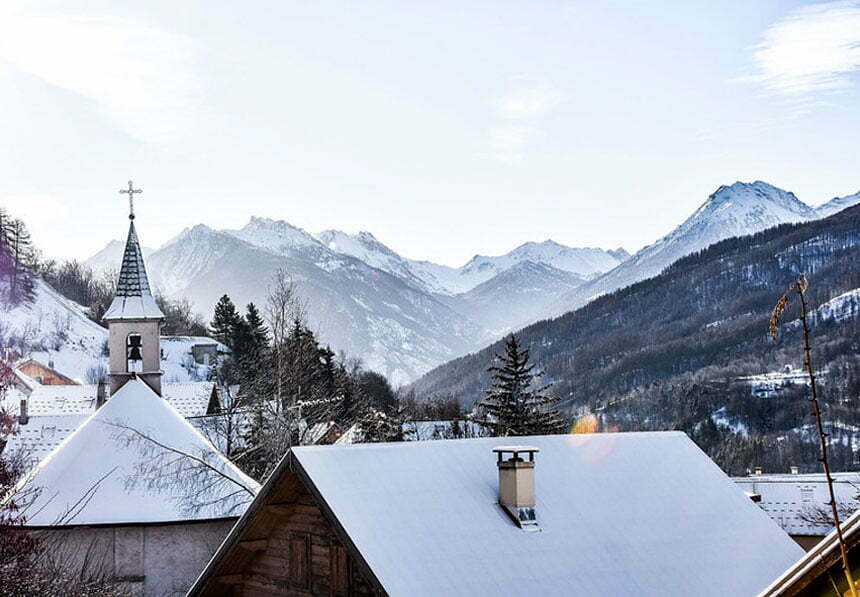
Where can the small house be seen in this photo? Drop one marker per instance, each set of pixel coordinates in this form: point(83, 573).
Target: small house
point(601, 514)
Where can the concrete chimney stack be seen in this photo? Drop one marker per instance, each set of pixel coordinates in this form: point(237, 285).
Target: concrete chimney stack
point(517, 484)
point(23, 416)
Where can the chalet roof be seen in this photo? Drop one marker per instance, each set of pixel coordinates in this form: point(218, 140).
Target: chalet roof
point(816, 561)
point(39, 364)
point(41, 435)
point(190, 398)
point(619, 514)
point(133, 298)
point(790, 499)
point(104, 472)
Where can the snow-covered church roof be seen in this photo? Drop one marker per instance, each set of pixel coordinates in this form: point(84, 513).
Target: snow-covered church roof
point(133, 298)
point(136, 460)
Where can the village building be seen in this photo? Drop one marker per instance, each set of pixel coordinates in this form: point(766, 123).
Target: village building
point(134, 492)
point(819, 573)
point(799, 502)
point(43, 374)
point(601, 514)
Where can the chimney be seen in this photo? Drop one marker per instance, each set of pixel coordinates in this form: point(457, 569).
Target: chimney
point(517, 484)
point(795, 470)
point(100, 394)
point(23, 417)
point(758, 471)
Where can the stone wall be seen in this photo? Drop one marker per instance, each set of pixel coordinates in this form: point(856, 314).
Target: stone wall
point(160, 560)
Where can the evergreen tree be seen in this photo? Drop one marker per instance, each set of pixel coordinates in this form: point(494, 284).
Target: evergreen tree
point(257, 328)
point(17, 261)
point(514, 405)
point(225, 321)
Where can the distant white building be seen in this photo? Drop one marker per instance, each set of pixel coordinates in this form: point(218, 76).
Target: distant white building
point(129, 487)
point(796, 502)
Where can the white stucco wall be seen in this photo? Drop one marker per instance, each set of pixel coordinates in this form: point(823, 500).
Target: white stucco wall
point(152, 560)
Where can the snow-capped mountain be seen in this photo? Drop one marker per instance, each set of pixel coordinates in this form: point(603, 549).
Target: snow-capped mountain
point(393, 326)
point(736, 210)
point(110, 258)
point(510, 299)
point(365, 247)
point(837, 204)
point(405, 316)
point(582, 262)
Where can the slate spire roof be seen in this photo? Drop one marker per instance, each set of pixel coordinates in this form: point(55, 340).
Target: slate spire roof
point(133, 297)
point(132, 275)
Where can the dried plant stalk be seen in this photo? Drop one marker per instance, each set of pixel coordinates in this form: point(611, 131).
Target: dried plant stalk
point(799, 288)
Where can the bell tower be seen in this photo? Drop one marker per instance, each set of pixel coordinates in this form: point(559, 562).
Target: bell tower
point(133, 318)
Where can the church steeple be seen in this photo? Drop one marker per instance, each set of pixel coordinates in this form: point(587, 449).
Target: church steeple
point(134, 319)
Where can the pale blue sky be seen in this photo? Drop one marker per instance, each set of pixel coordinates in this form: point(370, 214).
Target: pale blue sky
point(445, 128)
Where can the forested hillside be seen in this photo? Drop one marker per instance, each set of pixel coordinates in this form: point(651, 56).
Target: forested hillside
point(663, 353)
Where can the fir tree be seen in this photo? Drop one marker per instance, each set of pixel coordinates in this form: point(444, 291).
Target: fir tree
point(225, 321)
point(258, 330)
point(514, 403)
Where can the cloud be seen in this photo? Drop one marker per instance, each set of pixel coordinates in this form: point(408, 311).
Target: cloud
point(517, 114)
point(143, 78)
point(812, 51)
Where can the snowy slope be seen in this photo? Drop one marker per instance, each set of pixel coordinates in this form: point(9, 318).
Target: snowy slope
point(510, 299)
point(842, 308)
point(110, 258)
point(55, 329)
point(736, 210)
point(392, 325)
point(365, 247)
point(837, 204)
point(582, 262)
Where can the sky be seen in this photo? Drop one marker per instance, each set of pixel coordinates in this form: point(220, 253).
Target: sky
point(447, 129)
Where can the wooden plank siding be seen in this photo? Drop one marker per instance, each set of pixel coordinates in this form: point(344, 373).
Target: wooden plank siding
point(288, 549)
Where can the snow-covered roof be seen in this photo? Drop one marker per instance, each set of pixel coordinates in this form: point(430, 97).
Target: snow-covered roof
point(792, 500)
point(41, 435)
point(619, 514)
point(115, 469)
point(133, 298)
point(815, 562)
point(190, 398)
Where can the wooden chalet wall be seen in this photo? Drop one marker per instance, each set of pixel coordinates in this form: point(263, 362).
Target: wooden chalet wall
point(288, 548)
point(44, 374)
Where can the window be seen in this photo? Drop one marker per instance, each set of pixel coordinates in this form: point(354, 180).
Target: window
point(300, 560)
point(340, 571)
point(134, 353)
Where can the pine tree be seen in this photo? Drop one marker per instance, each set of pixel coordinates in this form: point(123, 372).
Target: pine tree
point(258, 333)
point(224, 322)
point(514, 404)
point(22, 254)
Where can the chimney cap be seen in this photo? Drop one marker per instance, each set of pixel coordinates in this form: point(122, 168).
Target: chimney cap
point(515, 449)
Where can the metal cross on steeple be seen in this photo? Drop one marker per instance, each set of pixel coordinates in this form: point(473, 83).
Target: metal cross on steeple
point(130, 191)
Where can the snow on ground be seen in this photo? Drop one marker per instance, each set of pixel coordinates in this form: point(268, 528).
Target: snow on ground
point(768, 385)
point(55, 330)
point(720, 419)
